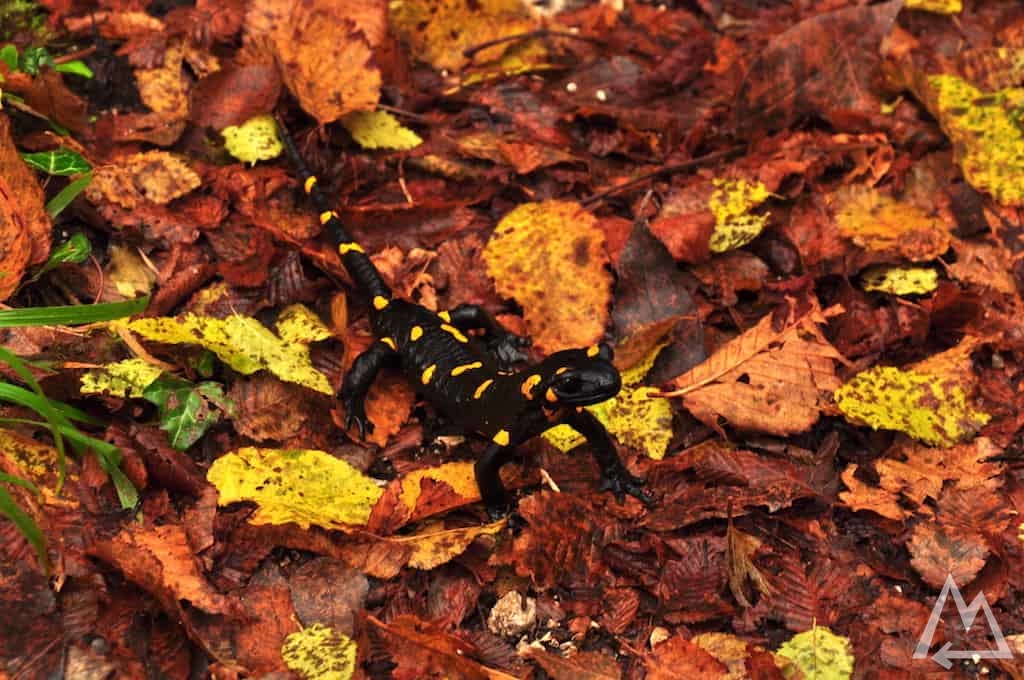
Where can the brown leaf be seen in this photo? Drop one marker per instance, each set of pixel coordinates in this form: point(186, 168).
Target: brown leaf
point(678, 657)
point(235, 94)
point(936, 553)
point(582, 666)
point(765, 380)
point(822, 65)
point(159, 560)
point(25, 203)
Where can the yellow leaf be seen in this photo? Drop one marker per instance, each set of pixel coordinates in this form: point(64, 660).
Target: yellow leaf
point(126, 378)
point(432, 548)
point(928, 402)
point(636, 419)
point(936, 6)
point(307, 487)
point(241, 342)
point(820, 654)
point(550, 258)
point(254, 140)
point(439, 31)
point(877, 222)
point(380, 130)
point(300, 324)
point(320, 653)
point(730, 203)
point(900, 280)
point(985, 129)
point(32, 460)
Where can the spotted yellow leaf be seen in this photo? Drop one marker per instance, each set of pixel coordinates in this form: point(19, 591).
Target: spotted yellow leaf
point(820, 654)
point(900, 280)
point(550, 258)
point(380, 130)
point(320, 653)
point(930, 401)
point(876, 221)
point(254, 140)
point(126, 378)
point(241, 342)
point(306, 487)
point(731, 203)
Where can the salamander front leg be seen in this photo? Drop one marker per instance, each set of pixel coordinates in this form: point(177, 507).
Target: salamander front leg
point(488, 479)
point(357, 383)
point(505, 346)
point(614, 475)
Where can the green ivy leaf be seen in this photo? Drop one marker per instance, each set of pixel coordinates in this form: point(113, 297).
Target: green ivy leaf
point(61, 161)
point(9, 55)
point(187, 411)
point(33, 59)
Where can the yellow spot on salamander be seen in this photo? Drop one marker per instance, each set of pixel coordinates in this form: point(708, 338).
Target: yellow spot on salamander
point(445, 316)
point(389, 342)
point(326, 217)
point(550, 395)
point(562, 370)
point(501, 439)
point(593, 351)
point(310, 183)
point(351, 247)
point(459, 370)
point(416, 333)
point(455, 332)
point(428, 374)
point(482, 388)
point(528, 385)
point(380, 302)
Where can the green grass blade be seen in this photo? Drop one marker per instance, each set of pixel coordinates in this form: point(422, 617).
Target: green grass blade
point(69, 193)
point(69, 315)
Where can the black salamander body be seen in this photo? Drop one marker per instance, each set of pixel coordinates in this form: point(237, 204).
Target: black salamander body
point(480, 383)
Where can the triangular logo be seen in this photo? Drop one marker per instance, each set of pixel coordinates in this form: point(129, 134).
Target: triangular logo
point(967, 615)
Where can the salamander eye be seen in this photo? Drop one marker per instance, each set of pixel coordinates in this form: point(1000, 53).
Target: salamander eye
point(570, 384)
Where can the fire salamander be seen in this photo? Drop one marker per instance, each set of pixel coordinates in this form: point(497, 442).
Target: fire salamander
point(480, 383)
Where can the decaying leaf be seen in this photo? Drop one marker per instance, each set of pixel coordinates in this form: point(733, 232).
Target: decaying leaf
point(326, 51)
point(424, 493)
point(241, 342)
point(730, 203)
point(304, 487)
point(984, 128)
point(254, 140)
point(439, 31)
point(787, 377)
point(877, 222)
point(679, 657)
point(819, 653)
point(380, 130)
point(550, 258)
point(26, 222)
point(320, 653)
point(126, 378)
point(936, 552)
point(912, 477)
point(930, 401)
point(900, 280)
point(155, 176)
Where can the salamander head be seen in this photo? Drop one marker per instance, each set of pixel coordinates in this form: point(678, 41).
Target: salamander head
point(578, 377)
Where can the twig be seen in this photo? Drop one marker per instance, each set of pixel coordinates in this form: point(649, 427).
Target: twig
point(666, 170)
